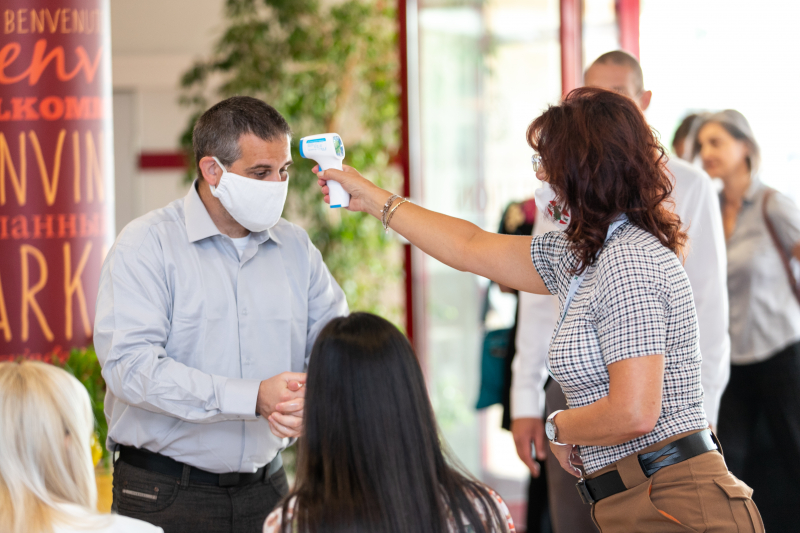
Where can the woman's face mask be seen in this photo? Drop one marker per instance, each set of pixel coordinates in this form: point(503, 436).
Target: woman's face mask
point(257, 205)
point(545, 198)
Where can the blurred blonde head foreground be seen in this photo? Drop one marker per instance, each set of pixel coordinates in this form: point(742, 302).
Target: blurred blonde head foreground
point(46, 425)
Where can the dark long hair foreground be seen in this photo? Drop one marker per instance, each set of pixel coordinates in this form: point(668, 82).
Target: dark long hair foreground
point(370, 459)
point(602, 159)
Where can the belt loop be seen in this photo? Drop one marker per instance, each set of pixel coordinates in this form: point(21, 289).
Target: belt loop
point(187, 470)
point(631, 471)
point(716, 441)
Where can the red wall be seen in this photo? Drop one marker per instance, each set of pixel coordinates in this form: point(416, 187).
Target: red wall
point(56, 171)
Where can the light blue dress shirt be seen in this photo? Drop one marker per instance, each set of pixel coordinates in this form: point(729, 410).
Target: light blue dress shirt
point(186, 330)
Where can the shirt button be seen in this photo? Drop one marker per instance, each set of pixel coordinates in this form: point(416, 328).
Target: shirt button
point(244, 310)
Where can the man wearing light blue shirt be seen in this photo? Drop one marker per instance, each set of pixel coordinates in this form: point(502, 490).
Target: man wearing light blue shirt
point(206, 316)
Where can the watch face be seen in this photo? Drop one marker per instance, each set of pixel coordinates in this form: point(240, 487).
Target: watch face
point(550, 430)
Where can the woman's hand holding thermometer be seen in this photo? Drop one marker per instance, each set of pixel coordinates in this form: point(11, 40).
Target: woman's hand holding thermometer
point(365, 196)
point(327, 149)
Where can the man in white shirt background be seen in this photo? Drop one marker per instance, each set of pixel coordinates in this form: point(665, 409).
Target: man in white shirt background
point(206, 315)
point(697, 204)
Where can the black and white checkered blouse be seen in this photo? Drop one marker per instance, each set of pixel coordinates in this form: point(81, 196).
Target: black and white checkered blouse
point(635, 301)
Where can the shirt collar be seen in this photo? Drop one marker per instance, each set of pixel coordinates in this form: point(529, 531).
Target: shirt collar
point(264, 236)
point(200, 226)
point(198, 222)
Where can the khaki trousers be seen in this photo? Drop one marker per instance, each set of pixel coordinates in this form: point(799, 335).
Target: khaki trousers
point(698, 494)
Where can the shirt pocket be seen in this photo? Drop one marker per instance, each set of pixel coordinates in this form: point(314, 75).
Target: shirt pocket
point(198, 311)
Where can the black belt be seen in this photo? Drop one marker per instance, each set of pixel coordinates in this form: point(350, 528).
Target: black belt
point(161, 464)
point(594, 490)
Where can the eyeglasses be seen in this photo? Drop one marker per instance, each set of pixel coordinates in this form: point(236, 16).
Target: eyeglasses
point(536, 161)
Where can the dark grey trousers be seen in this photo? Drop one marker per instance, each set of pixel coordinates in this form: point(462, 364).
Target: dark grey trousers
point(178, 506)
point(568, 513)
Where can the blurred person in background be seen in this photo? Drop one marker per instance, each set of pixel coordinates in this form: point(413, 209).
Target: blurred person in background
point(760, 415)
point(519, 219)
point(47, 482)
point(537, 317)
point(679, 139)
point(371, 457)
point(697, 205)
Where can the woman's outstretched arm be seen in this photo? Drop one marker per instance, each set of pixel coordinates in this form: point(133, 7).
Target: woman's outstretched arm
point(462, 245)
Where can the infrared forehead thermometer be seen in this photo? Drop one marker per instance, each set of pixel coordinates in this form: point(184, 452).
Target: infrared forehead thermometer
point(327, 149)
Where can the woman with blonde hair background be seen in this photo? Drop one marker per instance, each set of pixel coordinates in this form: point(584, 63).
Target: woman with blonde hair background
point(46, 472)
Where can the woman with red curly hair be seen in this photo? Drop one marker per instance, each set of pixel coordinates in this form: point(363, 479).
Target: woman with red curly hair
point(625, 350)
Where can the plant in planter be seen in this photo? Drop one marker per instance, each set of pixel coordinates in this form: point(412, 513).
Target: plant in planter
point(83, 364)
point(327, 67)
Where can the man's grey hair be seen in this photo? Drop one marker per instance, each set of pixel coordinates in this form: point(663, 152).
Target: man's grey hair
point(737, 126)
point(217, 131)
point(624, 59)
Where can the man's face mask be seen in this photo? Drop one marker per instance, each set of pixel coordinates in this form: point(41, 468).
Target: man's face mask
point(257, 205)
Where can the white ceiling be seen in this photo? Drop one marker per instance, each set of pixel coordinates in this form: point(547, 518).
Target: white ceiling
point(165, 27)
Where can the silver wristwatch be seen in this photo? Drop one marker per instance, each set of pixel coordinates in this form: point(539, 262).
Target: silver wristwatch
point(551, 430)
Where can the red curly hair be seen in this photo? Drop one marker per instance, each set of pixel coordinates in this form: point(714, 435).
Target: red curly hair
point(602, 160)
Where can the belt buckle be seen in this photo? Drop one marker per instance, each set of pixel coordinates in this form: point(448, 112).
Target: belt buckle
point(583, 490)
point(230, 479)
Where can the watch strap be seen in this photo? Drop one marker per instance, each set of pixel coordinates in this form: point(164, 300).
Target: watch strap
point(552, 422)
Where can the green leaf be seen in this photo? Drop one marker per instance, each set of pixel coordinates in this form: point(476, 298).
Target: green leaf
point(83, 364)
point(322, 66)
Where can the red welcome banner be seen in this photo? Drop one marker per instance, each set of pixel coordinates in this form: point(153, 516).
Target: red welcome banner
point(56, 172)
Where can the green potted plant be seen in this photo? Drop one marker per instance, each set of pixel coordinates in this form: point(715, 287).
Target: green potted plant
point(83, 364)
point(327, 67)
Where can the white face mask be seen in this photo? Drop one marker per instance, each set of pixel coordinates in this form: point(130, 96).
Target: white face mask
point(545, 198)
point(257, 205)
